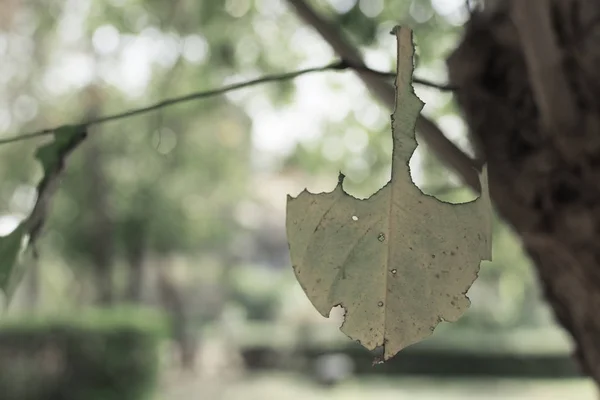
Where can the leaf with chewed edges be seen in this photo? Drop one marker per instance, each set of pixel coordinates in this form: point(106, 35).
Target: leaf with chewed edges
point(400, 261)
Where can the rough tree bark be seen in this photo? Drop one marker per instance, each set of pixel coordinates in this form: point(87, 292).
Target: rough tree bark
point(528, 74)
point(529, 79)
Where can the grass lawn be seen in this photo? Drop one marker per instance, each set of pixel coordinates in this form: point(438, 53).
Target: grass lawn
point(286, 386)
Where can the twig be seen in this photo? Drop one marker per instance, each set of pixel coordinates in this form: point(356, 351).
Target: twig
point(419, 81)
point(335, 66)
point(446, 151)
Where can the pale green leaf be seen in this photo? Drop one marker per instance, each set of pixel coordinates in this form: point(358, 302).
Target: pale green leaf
point(399, 262)
point(52, 156)
point(11, 246)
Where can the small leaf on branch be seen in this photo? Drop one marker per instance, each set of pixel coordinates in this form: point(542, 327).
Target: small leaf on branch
point(11, 246)
point(52, 156)
point(399, 262)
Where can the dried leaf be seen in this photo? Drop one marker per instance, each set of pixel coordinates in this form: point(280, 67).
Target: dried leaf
point(399, 262)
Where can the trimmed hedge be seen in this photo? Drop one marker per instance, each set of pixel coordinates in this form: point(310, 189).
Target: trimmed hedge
point(93, 355)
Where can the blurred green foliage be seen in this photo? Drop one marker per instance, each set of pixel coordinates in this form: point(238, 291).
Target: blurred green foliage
point(93, 355)
point(169, 185)
point(257, 291)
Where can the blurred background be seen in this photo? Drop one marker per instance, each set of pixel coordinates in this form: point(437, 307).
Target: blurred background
point(164, 270)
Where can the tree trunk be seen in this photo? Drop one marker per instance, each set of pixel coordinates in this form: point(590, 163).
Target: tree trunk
point(101, 251)
point(174, 304)
point(100, 221)
point(135, 253)
point(135, 279)
point(528, 75)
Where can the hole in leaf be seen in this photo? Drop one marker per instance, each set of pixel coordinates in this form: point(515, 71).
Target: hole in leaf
point(354, 218)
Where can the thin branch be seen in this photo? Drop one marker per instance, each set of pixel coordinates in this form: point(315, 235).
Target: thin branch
point(335, 66)
point(445, 150)
point(419, 81)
